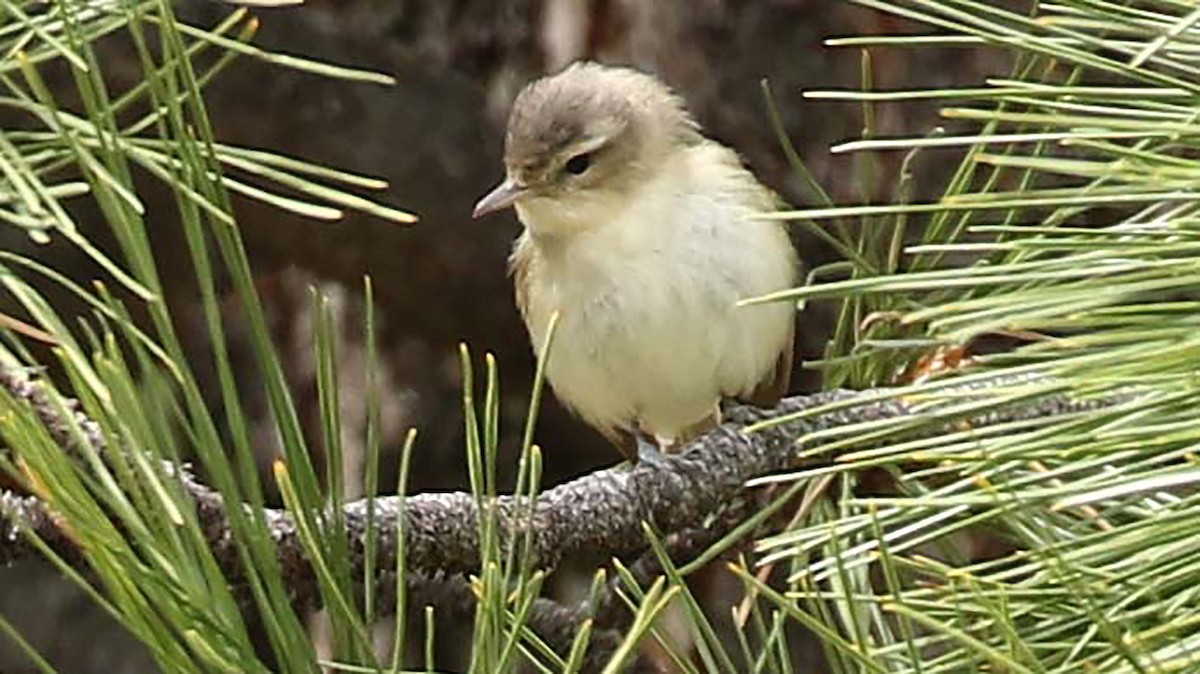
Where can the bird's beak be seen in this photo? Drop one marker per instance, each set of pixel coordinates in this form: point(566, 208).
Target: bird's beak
point(500, 198)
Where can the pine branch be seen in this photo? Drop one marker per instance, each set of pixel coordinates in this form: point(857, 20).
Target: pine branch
point(602, 511)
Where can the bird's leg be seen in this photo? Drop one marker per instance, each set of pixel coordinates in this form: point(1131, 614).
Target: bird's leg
point(648, 446)
point(655, 452)
point(636, 445)
point(648, 452)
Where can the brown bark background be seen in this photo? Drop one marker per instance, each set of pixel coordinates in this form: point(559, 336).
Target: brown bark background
point(436, 138)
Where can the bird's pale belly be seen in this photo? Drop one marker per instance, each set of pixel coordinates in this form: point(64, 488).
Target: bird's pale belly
point(661, 364)
point(647, 372)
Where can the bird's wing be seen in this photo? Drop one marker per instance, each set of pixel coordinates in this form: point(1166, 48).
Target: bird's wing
point(520, 267)
point(624, 439)
point(774, 385)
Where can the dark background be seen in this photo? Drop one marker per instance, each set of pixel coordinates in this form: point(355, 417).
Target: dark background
point(436, 138)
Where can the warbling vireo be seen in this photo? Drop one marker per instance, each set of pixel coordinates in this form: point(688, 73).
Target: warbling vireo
point(638, 231)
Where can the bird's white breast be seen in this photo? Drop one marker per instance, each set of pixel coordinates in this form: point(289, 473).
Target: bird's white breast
point(649, 328)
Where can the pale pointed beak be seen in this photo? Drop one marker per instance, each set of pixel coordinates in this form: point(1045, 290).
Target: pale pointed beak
point(500, 198)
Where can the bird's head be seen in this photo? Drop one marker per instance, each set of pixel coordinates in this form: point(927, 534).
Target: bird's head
point(580, 141)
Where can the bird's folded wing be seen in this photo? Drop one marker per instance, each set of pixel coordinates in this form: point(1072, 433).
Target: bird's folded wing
point(774, 385)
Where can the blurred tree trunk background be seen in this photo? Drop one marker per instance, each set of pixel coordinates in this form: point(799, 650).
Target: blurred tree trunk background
point(436, 138)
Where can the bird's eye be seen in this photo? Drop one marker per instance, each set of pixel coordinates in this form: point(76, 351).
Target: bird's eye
point(578, 164)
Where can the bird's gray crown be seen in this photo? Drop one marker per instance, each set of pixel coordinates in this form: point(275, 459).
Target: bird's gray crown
point(588, 103)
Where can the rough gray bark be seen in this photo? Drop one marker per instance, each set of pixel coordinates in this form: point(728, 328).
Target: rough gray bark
point(436, 139)
point(600, 512)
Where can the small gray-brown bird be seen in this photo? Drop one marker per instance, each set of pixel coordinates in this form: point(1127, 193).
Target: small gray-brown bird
point(639, 232)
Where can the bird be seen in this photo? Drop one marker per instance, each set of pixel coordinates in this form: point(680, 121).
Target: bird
point(640, 234)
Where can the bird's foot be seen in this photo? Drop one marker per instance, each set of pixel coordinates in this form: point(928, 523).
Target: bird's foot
point(649, 453)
